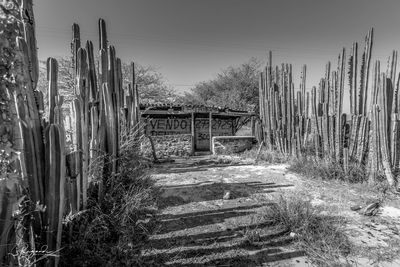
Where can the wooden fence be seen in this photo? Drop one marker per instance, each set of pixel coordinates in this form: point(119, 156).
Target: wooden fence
point(299, 122)
point(41, 179)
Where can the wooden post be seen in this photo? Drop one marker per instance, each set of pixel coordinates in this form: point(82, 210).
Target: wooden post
point(253, 126)
point(210, 129)
point(193, 132)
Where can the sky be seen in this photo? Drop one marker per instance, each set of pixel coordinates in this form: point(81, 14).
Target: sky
point(190, 41)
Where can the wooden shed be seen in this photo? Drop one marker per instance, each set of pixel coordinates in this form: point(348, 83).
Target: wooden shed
point(201, 122)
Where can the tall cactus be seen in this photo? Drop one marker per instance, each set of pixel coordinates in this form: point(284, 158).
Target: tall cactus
point(55, 166)
point(288, 116)
point(383, 132)
point(82, 95)
point(77, 143)
point(18, 127)
point(34, 157)
point(55, 183)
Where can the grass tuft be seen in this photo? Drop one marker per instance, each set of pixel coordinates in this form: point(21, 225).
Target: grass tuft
point(321, 237)
point(328, 169)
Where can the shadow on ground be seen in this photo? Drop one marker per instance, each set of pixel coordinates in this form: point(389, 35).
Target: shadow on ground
point(218, 247)
point(196, 231)
point(183, 166)
point(208, 191)
point(194, 219)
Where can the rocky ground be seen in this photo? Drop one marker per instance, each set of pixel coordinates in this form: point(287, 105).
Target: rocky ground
point(211, 215)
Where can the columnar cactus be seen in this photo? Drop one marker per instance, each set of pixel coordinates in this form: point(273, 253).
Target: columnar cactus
point(55, 188)
point(18, 128)
point(33, 162)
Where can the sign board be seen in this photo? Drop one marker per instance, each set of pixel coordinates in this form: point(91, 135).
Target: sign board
point(168, 126)
point(220, 127)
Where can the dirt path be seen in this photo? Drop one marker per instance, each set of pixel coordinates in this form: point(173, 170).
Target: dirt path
point(211, 212)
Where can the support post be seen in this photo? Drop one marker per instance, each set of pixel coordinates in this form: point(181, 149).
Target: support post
point(210, 129)
point(253, 126)
point(193, 133)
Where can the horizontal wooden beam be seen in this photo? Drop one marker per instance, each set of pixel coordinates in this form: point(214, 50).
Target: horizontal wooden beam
point(166, 113)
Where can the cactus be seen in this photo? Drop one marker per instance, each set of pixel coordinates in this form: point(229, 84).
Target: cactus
point(95, 118)
point(339, 105)
point(55, 167)
point(346, 159)
point(82, 94)
point(92, 79)
point(20, 158)
point(75, 44)
point(383, 133)
point(28, 21)
point(110, 126)
point(367, 52)
point(54, 184)
point(52, 72)
point(394, 136)
point(77, 144)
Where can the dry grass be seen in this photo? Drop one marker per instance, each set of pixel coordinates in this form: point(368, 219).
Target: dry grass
point(328, 169)
point(265, 155)
point(383, 254)
point(111, 233)
point(321, 237)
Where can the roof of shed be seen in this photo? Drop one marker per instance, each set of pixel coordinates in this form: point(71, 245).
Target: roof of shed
point(180, 109)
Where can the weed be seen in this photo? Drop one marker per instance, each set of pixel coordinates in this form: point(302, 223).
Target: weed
point(252, 233)
point(327, 169)
point(381, 254)
point(251, 236)
point(321, 237)
point(111, 232)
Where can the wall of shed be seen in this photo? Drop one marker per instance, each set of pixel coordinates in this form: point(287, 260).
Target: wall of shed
point(159, 125)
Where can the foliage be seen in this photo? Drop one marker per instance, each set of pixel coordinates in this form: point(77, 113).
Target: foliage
point(10, 178)
point(235, 87)
point(111, 233)
point(152, 86)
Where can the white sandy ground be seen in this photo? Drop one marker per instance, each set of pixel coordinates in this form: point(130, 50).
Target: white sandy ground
point(198, 186)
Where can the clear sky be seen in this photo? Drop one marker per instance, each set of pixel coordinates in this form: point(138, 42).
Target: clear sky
point(192, 40)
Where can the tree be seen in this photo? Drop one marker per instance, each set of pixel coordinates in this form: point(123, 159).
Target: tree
point(235, 87)
point(152, 86)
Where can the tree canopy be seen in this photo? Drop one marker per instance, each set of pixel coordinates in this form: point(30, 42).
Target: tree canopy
point(152, 86)
point(235, 87)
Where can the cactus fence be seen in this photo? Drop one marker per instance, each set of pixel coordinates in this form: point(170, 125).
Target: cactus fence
point(42, 177)
point(302, 122)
